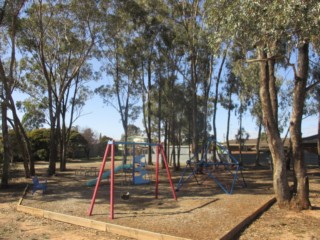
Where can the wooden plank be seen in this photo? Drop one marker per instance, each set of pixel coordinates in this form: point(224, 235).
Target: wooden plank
point(23, 195)
point(235, 231)
point(138, 233)
point(30, 210)
point(97, 225)
point(84, 222)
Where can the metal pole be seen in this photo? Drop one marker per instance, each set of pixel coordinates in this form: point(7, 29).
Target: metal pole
point(168, 173)
point(99, 179)
point(112, 183)
point(157, 172)
point(133, 163)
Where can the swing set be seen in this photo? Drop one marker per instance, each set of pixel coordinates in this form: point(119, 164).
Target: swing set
point(110, 151)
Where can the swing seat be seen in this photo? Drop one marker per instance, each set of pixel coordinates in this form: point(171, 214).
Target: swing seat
point(37, 185)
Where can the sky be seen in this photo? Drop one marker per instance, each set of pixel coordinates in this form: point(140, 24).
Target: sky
point(104, 120)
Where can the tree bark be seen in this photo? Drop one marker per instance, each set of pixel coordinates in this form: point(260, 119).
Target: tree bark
point(318, 145)
point(228, 121)
point(7, 156)
point(194, 81)
point(257, 161)
point(301, 200)
point(273, 89)
point(280, 179)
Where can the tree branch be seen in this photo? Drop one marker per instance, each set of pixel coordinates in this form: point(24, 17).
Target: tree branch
point(265, 59)
point(312, 86)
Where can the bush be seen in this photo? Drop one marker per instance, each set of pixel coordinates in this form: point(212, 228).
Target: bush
point(41, 154)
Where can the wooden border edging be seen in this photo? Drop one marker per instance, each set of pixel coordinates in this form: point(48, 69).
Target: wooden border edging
point(97, 225)
point(23, 194)
point(133, 232)
point(248, 220)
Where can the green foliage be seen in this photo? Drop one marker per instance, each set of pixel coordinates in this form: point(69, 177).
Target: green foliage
point(77, 143)
point(41, 154)
point(34, 116)
point(39, 139)
point(242, 136)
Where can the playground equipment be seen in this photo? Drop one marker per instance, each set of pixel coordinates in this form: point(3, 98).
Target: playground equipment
point(37, 185)
point(140, 168)
point(110, 149)
point(139, 174)
point(224, 162)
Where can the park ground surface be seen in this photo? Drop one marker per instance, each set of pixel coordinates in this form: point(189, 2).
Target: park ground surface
point(201, 212)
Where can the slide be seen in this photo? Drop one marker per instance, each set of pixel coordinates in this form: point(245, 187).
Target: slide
point(106, 174)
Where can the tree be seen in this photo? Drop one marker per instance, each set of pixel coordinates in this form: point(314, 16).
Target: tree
point(91, 139)
point(119, 52)
point(79, 141)
point(195, 67)
point(9, 18)
point(34, 116)
point(277, 25)
point(241, 137)
point(57, 39)
point(39, 139)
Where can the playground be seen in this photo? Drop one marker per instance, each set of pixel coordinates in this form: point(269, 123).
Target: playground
point(203, 211)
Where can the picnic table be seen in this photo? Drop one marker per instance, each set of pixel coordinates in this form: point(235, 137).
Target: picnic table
point(87, 171)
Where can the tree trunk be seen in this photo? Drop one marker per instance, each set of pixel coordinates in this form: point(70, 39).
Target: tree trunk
point(318, 129)
point(228, 121)
point(7, 156)
point(257, 161)
point(165, 143)
point(63, 148)
point(280, 179)
point(273, 89)
point(240, 134)
point(148, 128)
point(195, 136)
point(179, 148)
point(301, 200)
point(53, 155)
point(215, 102)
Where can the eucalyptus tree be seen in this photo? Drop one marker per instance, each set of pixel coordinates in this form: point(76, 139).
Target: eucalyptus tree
point(72, 104)
point(226, 99)
point(196, 64)
point(34, 114)
point(121, 62)
point(148, 17)
point(57, 38)
point(9, 24)
point(248, 94)
point(265, 28)
point(316, 76)
point(164, 107)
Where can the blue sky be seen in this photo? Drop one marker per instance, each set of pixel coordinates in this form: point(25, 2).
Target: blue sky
point(105, 120)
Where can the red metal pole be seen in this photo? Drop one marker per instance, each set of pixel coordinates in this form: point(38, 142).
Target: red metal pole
point(99, 179)
point(157, 172)
point(168, 173)
point(112, 183)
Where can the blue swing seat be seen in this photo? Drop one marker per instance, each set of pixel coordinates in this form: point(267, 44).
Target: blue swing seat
point(38, 186)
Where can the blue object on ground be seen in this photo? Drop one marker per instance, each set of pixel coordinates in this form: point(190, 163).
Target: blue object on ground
point(38, 186)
